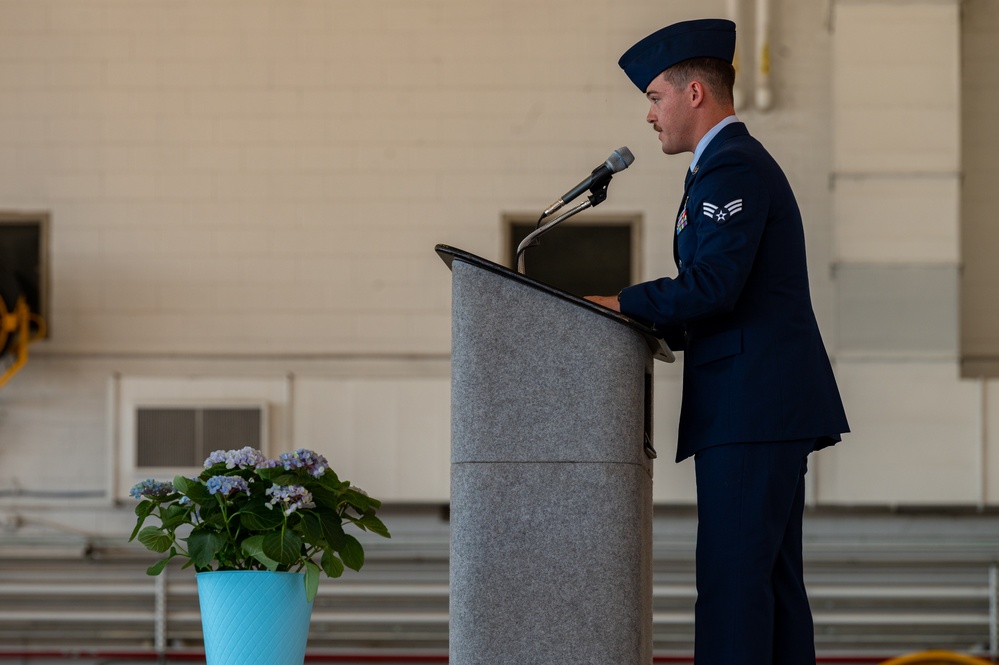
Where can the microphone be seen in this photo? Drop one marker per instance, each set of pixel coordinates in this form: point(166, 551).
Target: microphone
point(619, 160)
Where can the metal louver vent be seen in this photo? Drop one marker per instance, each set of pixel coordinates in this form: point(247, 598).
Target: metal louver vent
point(171, 436)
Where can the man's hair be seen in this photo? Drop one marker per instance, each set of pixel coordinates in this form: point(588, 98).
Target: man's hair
point(716, 74)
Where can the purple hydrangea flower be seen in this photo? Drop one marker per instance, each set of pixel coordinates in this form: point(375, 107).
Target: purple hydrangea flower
point(311, 461)
point(150, 488)
point(291, 497)
point(226, 485)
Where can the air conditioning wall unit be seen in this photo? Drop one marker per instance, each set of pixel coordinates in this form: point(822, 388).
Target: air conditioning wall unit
point(166, 426)
point(182, 435)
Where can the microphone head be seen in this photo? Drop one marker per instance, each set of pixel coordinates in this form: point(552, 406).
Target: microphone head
point(619, 160)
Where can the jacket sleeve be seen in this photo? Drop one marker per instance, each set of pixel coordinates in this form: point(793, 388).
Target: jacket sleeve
point(727, 212)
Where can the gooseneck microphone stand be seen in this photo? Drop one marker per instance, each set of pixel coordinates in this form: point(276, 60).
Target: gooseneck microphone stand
point(597, 196)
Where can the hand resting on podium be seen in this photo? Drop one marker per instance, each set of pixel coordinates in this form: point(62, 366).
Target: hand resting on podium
point(610, 302)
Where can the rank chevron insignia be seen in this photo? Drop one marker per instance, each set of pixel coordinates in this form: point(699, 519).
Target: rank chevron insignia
point(721, 214)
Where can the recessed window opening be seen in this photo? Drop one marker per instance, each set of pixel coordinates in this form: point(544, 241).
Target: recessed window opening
point(592, 256)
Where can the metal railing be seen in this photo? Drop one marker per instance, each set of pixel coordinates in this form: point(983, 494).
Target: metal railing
point(866, 602)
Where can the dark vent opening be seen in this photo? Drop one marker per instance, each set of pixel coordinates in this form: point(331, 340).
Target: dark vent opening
point(22, 260)
point(166, 437)
point(226, 429)
point(185, 436)
point(581, 259)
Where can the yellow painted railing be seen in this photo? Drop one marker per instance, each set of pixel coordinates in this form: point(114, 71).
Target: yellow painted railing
point(18, 328)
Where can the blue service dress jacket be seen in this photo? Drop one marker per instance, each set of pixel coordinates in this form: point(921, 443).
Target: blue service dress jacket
point(755, 368)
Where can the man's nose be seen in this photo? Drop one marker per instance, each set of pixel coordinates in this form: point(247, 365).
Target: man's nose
point(650, 117)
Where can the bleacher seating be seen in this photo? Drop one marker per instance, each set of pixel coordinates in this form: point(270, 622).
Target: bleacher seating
point(872, 594)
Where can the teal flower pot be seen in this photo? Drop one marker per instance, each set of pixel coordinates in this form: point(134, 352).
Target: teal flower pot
point(252, 617)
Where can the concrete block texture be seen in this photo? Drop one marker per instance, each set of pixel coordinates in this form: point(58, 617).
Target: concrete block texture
point(551, 490)
point(882, 122)
point(550, 564)
point(897, 220)
point(917, 437)
point(535, 378)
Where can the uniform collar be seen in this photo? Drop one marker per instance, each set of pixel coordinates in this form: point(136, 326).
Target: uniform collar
point(706, 139)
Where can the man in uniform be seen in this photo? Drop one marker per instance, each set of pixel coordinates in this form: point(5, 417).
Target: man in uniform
point(759, 393)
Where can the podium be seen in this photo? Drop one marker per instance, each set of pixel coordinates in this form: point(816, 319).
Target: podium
point(551, 474)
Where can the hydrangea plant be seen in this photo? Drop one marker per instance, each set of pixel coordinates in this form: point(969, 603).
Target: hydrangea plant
point(247, 512)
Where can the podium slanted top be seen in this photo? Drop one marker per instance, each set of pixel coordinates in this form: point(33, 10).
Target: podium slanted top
point(660, 350)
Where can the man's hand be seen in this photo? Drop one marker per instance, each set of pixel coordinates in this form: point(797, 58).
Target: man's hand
point(610, 302)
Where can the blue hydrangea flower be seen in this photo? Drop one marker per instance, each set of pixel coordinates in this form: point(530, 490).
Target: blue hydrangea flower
point(290, 497)
point(242, 458)
point(226, 485)
point(216, 457)
point(311, 461)
point(150, 488)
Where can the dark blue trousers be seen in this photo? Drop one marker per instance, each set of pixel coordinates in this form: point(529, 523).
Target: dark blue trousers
point(751, 604)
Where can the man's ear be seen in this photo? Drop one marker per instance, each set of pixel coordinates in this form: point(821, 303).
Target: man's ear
point(695, 93)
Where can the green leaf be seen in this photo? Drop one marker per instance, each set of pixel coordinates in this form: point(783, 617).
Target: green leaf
point(325, 499)
point(312, 530)
point(155, 539)
point(330, 480)
point(352, 553)
point(144, 508)
point(211, 515)
point(174, 516)
point(311, 581)
point(142, 511)
point(363, 504)
point(270, 473)
point(255, 516)
point(254, 547)
point(332, 528)
point(283, 477)
point(332, 565)
point(374, 525)
point(158, 567)
point(135, 531)
point(284, 548)
point(203, 545)
point(193, 489)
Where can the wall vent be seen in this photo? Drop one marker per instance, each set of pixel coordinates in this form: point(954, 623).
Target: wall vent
point(183, 436)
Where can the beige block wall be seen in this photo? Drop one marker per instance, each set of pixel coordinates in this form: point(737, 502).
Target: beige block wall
point(254, 189)
point(916, 441)
point(304, 158)
point(897, 71)
point(896, 123)
point(922, 433)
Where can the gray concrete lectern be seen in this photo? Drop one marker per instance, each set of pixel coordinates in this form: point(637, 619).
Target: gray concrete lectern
point(551, 474)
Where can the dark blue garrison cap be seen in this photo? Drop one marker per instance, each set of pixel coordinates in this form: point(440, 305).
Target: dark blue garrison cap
point(703, 38)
